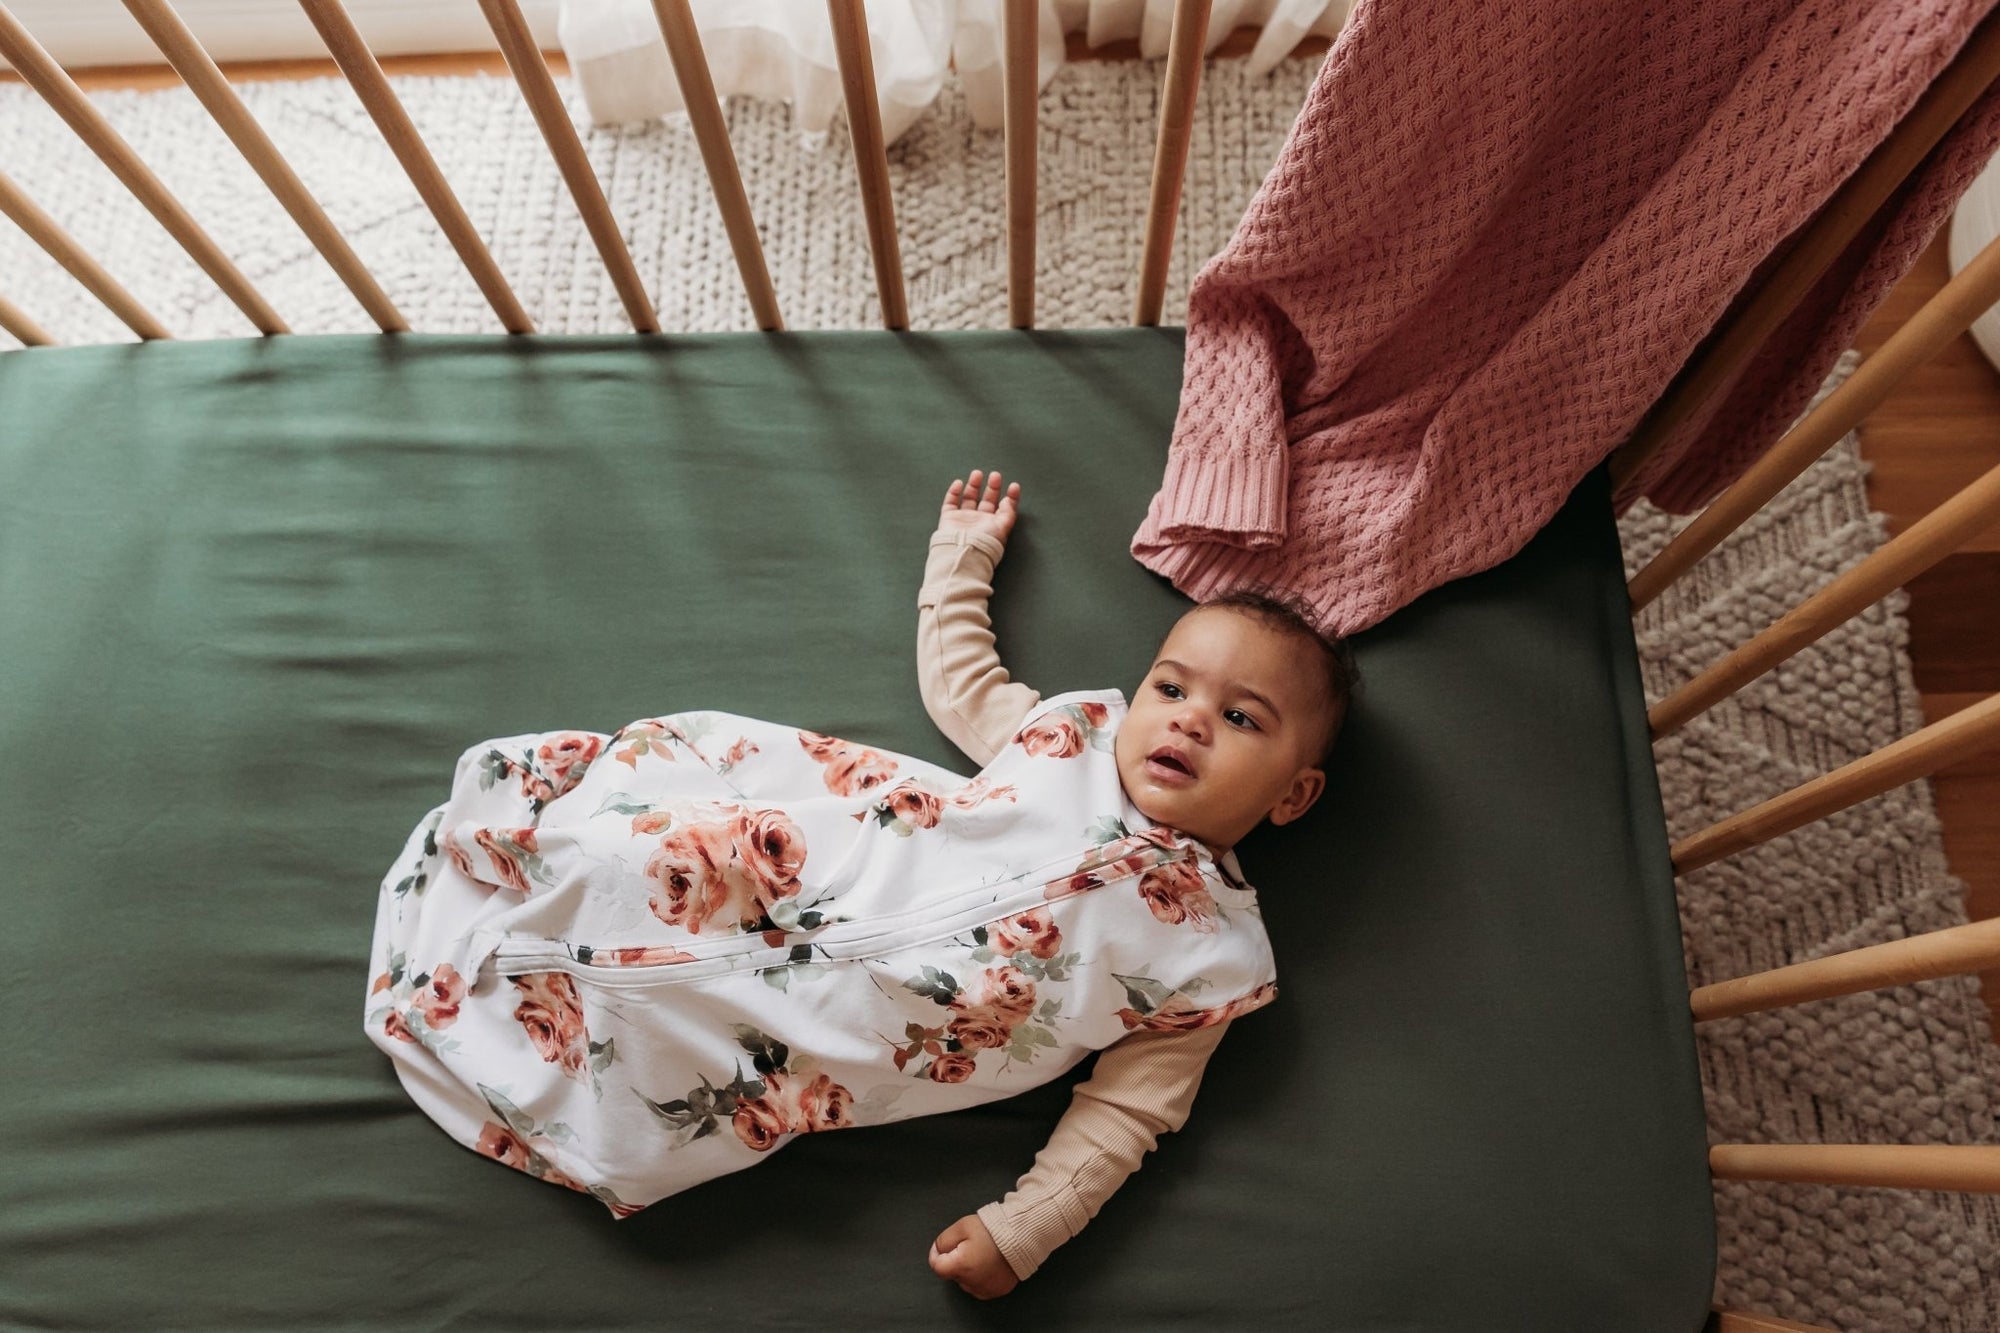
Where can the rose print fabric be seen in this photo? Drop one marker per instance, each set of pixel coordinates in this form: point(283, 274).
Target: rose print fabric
point(627, 964)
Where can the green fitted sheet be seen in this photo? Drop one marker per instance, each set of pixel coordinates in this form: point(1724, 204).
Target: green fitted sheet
point(256, 596)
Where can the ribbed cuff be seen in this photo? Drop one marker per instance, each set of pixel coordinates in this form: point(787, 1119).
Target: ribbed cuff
point(1236, 496)
point(1027, 1237)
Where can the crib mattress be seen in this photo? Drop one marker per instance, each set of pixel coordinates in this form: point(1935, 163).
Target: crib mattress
point(255, 596)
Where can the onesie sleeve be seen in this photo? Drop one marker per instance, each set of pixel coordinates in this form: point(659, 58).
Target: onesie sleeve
point(1143, 1087)
point(966, 690)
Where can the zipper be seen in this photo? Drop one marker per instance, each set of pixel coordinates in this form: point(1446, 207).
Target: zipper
point(833, 942)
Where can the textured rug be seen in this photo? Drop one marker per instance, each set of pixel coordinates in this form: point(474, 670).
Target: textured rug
point(1914, 1064)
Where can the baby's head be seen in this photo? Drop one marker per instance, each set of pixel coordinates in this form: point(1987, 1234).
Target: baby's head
point(1232, 724)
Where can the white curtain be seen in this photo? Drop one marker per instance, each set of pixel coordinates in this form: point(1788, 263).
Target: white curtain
point(783, 49)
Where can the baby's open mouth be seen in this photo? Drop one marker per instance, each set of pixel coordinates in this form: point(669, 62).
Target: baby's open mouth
point(1169, 764)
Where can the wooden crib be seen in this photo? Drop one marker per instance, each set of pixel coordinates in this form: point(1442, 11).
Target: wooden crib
point(1963, 949)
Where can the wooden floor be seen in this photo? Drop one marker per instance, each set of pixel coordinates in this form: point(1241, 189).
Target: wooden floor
point(1938, 431)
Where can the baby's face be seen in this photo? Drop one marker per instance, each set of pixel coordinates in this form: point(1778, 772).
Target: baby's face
point(1224, 731)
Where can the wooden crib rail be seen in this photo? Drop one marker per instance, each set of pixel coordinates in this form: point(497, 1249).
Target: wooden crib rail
point(717, 157)
point(1022, 82)
point(1917, 755)
point(1722, 358)
point(871, 155)
point(47, 78)
point(531, 72)
point(16, 321)
point(1942, 318)
point(192, 62)
point(1926, 542)
point(1963, 1167)
point(43, 231)
point(1185, 43)
point(358, 64)
point(1972, 947)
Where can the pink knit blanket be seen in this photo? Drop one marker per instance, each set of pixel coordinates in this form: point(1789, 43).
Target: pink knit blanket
point(1494, 235)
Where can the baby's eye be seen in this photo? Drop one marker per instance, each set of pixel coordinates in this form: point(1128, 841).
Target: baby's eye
point(1236, 717)
point(1168, 688)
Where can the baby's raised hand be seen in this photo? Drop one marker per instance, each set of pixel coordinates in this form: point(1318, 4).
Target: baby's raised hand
point(989, 510)
point(964, 1253)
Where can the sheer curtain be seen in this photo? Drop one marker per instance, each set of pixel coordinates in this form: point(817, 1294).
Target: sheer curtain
point(783, 49)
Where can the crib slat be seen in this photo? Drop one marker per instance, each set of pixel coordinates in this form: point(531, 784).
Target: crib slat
point(1926, 542)
point(193, 63)
point(871, 154)
point(47, 78)
point(524, 58)
point(15, 320)
point(44, 231)
point(1939, 953)
point(711, 135)
point(1177, 97)
point(1967, 1168)
point(1917, 755)
point(1946, 315)
point(344, 42)
point(1814, 248)
point(1021, 76)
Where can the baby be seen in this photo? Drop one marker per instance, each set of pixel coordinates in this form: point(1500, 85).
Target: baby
point(629, 964)
point(1229, 728)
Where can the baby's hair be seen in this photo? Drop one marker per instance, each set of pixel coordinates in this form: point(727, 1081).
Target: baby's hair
point(1286, 611)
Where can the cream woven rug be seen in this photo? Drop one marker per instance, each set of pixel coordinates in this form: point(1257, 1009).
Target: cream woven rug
point(1914, 1065)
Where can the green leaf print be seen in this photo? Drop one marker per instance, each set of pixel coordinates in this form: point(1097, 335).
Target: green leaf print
point(1144, 993)
point(513, 1116)
point(767, 1056)
point(1108, 828)
point(785, 914)
point(602, 1053)
point(935, 985)
point(623, 803)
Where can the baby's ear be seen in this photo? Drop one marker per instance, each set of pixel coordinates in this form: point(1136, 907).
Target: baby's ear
point(1306, 786)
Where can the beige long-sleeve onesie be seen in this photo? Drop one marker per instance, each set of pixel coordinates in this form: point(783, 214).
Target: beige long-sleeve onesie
point(1144, 1084)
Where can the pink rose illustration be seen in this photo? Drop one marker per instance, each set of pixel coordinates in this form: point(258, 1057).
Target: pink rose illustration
point(504, 1145)
point(552, 1012)
point(646, 956)
point(849, 767)
point(758, 1123)
point(1035, 931)
point(913, 805)
point(977, 790)
point(564, 759)
point(461, 860)
point(439, 999)
point(506, 850)
point(1095, 715)
point(652, 821)
point(986, 1013)
point(1063, 888)
point(397, 1028)
point(1175, 893)
point(738, 752)
point(773, 849)
point(1176, 1015)
point(1051, 737)
point(694, 886)
point(792, 1104)
point(952, 1067)
point(823, 1104)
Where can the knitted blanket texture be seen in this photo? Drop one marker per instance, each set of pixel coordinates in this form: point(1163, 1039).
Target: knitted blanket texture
point(1495, 234)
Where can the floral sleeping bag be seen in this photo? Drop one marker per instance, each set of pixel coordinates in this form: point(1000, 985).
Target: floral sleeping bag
point(627, 964)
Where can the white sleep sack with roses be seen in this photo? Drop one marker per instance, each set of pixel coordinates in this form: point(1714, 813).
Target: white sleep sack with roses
point(627, 964)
